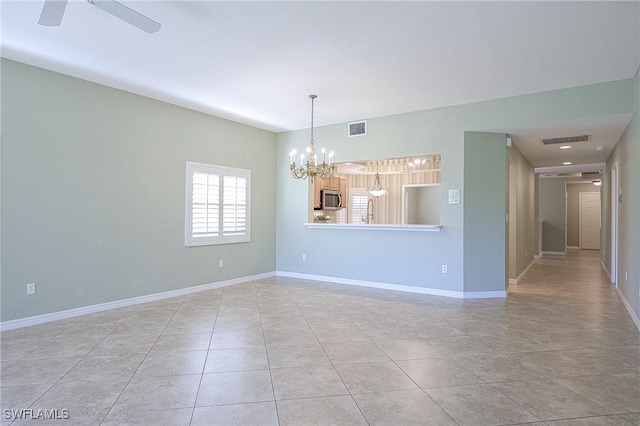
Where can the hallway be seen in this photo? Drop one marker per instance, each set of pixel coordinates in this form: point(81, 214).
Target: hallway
point(560, 350)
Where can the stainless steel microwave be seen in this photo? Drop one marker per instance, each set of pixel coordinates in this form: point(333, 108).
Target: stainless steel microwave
point(330, 200)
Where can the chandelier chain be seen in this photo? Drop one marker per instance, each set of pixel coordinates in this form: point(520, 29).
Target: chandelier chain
point(313, 97)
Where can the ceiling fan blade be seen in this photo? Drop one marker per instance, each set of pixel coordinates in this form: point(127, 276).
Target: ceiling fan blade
point(129, 15)
point(52, 12)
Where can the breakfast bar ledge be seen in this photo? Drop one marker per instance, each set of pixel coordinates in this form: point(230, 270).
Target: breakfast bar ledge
point(373, 227)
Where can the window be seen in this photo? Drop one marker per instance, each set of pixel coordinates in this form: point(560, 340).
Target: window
point(342, 216)
point(217, 205)
point(359, 197)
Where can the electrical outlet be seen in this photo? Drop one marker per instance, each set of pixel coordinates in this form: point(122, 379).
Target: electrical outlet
point(304, 257)
point(445, 269)
point(31, 288)
point(221, 263)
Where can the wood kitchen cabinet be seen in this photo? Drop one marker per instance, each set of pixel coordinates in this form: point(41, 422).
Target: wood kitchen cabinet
point(334, 183)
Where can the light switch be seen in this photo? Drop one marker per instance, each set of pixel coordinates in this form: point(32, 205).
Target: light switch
point(454, 196)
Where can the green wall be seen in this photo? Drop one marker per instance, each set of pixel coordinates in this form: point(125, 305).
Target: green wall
point(552, 213)
point(407, 258)
point(523, 187)
point(485, 208)
point(627, 157)
point(93, 194)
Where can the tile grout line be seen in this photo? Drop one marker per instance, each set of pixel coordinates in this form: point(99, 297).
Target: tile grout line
point(204, 366)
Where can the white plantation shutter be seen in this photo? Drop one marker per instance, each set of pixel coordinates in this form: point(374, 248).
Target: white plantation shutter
point(342, 216)
point(234, 211)
point(216, 204)
point(205, 206)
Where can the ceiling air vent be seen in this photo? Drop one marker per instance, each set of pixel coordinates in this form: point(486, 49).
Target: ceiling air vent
point(570, 139)
point(591, 175)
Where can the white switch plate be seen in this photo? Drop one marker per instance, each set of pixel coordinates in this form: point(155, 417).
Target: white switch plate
point(31, 288)
point(454, 196)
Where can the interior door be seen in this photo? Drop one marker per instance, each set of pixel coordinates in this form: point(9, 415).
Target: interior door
point(590, 220)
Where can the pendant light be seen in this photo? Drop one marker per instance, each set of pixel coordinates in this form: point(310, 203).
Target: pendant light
point(377, 189)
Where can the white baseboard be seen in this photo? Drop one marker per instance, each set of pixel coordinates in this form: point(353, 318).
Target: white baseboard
point(522, 274)
point(396, 287)
point(606, 270)
point(633, 315)
point(555, 253)
point(55, 316)
point(573, 247)
point(71, 313)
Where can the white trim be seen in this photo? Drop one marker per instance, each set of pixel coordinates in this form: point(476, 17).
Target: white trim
point(351, 135)
point(374, 227)
point(605, 269)
point(573, 247)
point(71, 313)
point(554, 253)
point(615, 222)
point(522, 274)
point(633, 315)
point(566, 215)
point(192, 240)
point(396, 287)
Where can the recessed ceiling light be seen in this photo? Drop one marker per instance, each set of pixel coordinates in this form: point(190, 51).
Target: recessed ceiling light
point(599, 148)
point(566, 163)
point(565, 147)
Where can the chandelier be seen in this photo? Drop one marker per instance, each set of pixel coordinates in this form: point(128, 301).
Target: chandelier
point(311, 168)
point(377, 189)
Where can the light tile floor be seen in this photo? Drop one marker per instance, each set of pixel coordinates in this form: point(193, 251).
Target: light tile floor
point(560, 350)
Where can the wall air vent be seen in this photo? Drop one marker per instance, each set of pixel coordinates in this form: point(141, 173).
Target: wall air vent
point(570, 139)
point(358, 128)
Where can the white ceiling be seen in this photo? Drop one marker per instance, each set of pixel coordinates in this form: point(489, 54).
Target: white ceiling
point(256, 62)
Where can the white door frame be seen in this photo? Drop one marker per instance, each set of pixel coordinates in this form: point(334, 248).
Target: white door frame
point(566, 217)
point(614, 223)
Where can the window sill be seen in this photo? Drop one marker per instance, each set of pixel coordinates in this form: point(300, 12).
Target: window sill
point(374, 227)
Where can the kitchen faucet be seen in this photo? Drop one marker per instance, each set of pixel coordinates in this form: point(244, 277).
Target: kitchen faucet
point(369, 218)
